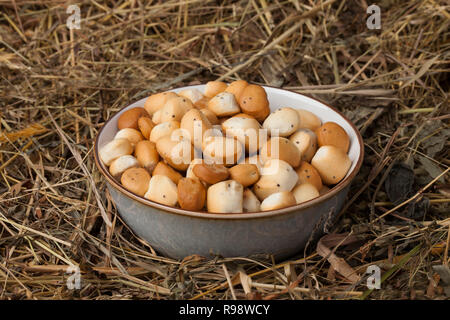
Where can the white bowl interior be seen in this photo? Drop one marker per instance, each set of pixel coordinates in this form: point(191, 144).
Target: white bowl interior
point(277, 98)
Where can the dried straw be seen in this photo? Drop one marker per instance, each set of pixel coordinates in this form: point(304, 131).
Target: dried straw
point(58, 86)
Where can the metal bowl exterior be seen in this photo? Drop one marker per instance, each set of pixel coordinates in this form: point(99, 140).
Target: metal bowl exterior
point(178, 236)
point(179, 233)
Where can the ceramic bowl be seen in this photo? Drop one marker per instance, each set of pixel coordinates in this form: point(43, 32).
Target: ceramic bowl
point(178, 233)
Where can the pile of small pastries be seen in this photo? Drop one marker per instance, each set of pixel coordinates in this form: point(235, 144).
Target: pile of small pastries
point(204, 151)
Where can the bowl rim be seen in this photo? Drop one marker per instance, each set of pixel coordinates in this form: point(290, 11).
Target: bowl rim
point(243, 215)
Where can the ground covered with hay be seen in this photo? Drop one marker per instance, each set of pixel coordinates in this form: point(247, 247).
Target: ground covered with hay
point(58, 86)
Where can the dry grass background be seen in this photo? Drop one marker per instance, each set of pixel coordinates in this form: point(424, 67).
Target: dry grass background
point(58, 87)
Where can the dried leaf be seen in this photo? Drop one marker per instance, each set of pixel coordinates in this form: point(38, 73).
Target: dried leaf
point(271, 73)
point(433, 137)
point(418, 209)
point(399, 183)
point(425, 67)
point(438, 248)
point(444, 273)
point(432, 169)
point(29, 131)
point(15, 189)
point(245, 281)
point(192, 260)
point(358, 113)
point(338, 264)
point(11, 61)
